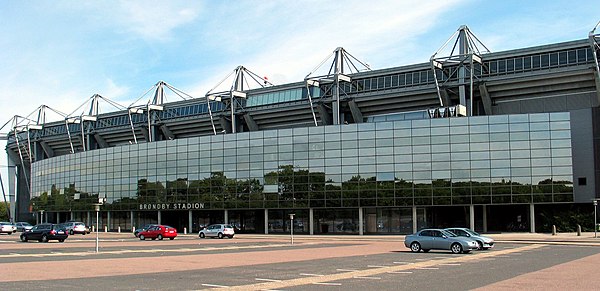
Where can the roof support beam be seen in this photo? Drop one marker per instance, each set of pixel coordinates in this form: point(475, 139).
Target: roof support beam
point(445, 97)
point(326, 118)
point(100, 141)
point(47, 149)
point(225, 124)
point(167, 132)
point(252, 126)
point(145, 133)
point(356, 114)
point(485, 98)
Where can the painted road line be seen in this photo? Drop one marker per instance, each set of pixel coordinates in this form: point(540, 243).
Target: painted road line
point(421, 259)
point(406, 263)
point(376, 266)
point(365, 277)
point(347, 274)
point(268, 280)
point(428, 268)
point(305, 274)
point(213, 285)
point(400, 272)
point(119, 252)
point(449, 264)
point(328, 284)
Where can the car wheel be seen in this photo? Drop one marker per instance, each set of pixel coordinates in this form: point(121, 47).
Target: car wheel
point(415, 247)
point(479, 245)
point(44, 238)
point(142, 237)
point(426, 251)
point(71, 232)
point(201, 235)
point(61, 240)
point(456, 248)
point(220, 235)
point(160, 237)
point(23, 238)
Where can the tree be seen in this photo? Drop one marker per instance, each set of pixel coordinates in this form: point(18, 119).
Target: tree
point(4, 211)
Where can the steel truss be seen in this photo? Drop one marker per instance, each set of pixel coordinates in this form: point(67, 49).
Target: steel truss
point(594, 38)
point(460, 61)
point(341, 66)
point(233, 96)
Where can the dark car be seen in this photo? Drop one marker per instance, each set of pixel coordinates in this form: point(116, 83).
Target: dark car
point(45, 232)
point(137, 231)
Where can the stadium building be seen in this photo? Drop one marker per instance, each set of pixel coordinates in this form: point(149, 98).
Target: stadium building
point(494, 141)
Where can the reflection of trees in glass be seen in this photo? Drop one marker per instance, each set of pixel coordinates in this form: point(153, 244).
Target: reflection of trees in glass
point(300, 188)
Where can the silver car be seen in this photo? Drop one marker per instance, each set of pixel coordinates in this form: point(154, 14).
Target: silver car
point(483, 242)
point(23, 226)
point(217, 230)
point(439, 239)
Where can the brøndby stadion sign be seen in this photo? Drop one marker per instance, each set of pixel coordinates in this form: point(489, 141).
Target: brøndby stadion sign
point(170, 206)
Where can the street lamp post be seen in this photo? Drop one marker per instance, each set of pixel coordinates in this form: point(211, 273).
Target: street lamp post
point(97, 207)
point(292, 227)
point(595, 219)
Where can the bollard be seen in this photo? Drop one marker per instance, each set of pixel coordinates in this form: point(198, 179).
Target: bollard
point(105, 228)
point(93, 229)
point(578, 230)
point(553, 229)
point(119, 229)
point(133, 229)
point(185, 230)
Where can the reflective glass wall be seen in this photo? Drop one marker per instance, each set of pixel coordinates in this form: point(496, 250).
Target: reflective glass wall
point(447, 161)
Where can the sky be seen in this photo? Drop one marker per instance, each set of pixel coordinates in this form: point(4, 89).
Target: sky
point(60, 53)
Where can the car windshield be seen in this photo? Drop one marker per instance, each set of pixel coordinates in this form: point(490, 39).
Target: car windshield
point(448, 234)
point(471, 232)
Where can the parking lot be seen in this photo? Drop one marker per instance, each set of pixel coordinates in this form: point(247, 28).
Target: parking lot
point(253, 262)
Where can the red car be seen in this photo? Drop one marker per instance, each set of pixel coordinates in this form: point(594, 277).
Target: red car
point(158, 232)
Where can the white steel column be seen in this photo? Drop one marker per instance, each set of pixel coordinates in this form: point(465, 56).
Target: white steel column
point(131, 219)
point(189, 221)
point(266, 221)
point(531, 218)
point(360, 221)
point(12, 196)
point(414, 219)
point(311, 220)
point(472, 217)
point(89, 219)
point(159, 217)
point(107, 220)
point(226, 214)
point(484, 218)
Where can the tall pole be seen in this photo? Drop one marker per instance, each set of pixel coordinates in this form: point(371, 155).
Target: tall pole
point(97, 211)
point(595, 219)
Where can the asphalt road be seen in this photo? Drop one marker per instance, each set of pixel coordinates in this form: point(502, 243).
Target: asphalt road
point(267, 263)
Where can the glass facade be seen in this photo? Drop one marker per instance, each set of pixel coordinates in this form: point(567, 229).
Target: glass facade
point(447, 161)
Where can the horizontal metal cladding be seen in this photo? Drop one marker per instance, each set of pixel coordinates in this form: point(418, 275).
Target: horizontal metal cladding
point(510, 77)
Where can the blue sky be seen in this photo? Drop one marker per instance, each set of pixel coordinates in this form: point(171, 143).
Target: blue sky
point(60, 53)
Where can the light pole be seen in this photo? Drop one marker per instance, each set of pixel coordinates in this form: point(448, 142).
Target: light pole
point(292, 227)
point(97, 207)
point(595, 219)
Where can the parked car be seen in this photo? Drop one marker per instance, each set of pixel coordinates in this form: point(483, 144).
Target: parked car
point(7, 227)
point(483, 242)
point(217, 230)
point(23, 226)
point(74, 227)
point(158, 232)
point(45, 232)
point(439, 239)
point(137, 231)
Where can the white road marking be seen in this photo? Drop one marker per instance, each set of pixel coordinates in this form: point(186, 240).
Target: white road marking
point(375, 266)
point(400, 272)
point(421, 259)
point(428, 268)
point(268, 280)
point(365, 277)
point(305, 274)
point(406, 263)
point(213, 285)
point(451, 264)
